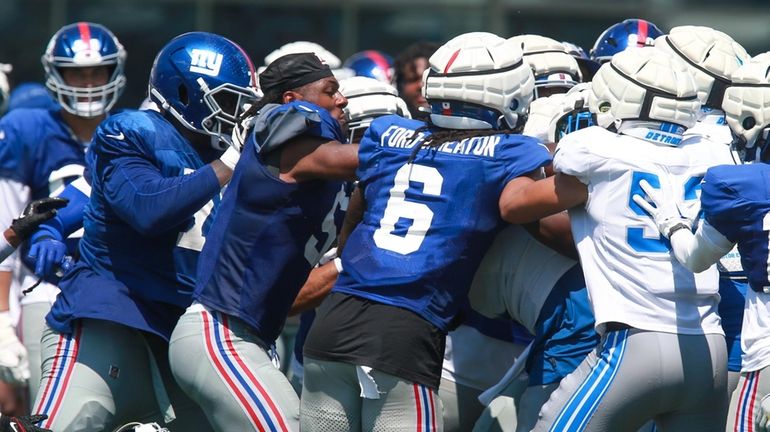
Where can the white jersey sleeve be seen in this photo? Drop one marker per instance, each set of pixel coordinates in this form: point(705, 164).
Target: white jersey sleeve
point(573, 157)
point(516, 277)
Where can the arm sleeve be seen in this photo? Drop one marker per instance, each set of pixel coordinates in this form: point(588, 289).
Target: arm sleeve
point(573, 158)
point(70, 218)
point(701, 250)
point(151, 203)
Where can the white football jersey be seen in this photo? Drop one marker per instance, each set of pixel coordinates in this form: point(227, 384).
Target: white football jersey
point(516, 276)
point(755, 334)
point(631, 275)
point(712, 126)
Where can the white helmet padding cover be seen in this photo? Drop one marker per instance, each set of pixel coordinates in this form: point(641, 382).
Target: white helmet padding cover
point(711, 55)
point(644, 84)
point(478, 81)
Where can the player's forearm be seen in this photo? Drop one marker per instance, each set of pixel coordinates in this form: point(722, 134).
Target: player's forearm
point(152, 204)
point(697, 252)
point(526, 200)
point(5, 290)
point(555, 232)
point(320, 281)
point(222, 172)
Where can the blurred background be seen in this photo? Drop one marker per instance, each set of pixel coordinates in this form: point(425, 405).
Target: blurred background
point(346, 27)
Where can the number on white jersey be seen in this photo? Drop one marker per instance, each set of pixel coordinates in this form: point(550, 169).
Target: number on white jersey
point(193, 238)
point(399, 208)
point(635, 235)
point(312, 252)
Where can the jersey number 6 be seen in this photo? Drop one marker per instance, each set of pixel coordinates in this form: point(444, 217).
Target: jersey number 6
point(399, 208)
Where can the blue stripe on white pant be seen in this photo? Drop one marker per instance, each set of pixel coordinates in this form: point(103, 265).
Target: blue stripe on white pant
point(580, 408)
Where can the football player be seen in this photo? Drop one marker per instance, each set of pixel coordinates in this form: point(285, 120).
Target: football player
point(278, 214)
point(712, 57)
point(627, 34)
point(373, 64)
point(373, 357)
point(153, 195)
point(408, 68)
point(662, 354)
point(42, 149)
point(735, 203)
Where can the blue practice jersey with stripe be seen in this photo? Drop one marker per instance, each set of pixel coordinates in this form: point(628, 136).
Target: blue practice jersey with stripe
point(152, 202)
point(428, 223)
point(269, 234)
point(34, 143)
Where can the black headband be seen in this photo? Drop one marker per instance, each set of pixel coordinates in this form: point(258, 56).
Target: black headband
point(292, 71)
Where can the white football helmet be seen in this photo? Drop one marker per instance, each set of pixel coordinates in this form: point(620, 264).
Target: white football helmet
point(747, 108)
point(551, 63)
point(368, 99)
point(326, 56)
point(711, 57)
point(478, 81)
point(644, 84)
point(5, 87)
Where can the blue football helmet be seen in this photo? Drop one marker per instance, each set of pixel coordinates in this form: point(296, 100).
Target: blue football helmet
point(627, 34)
point(372, 64)
point(206, 82)
point(31, 95)
point(85, 45)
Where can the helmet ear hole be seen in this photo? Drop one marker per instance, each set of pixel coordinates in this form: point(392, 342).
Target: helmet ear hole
point(183, 98)
point(748, 123)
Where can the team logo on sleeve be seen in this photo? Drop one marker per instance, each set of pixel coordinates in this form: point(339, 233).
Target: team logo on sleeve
point(205, 62)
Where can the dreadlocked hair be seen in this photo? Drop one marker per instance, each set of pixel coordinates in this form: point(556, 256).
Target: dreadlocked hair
point(439, 135)
point(270, 97)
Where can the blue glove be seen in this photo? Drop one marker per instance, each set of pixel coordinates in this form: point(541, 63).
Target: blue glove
point(47, 253)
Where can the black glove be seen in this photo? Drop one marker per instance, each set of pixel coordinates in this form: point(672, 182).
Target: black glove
point(37, 212)
point(22, 423)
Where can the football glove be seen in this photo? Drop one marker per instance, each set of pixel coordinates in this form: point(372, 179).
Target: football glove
point(22, 423)
point(665, 212)
point(47, 253)
point(14, 368)
point(37, 212)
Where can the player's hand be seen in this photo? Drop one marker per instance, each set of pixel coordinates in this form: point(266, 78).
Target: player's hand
point(14, 368)
point(37, 212)
point(665, 211)
point(241, 132)
point(23, 423)
point(47, 253)
point(762, 418)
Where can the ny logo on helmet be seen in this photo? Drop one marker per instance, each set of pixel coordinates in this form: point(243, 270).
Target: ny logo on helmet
point(205, 62)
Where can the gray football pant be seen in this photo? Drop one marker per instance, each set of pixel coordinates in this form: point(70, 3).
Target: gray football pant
point(745, 402)
point(461, 406)
point(32, 325)
point(104, 375)
point(223, 367)
point(332, 402)
point(516, 408)
point(679, 381)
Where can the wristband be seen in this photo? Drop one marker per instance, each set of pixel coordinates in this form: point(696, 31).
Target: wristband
point(676, 228)
point(338, 264)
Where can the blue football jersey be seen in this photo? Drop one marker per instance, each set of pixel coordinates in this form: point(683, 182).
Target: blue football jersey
point(428, 223)
point(152, 201)
point(268, 234)
point(736, 201)
point(34, 143)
